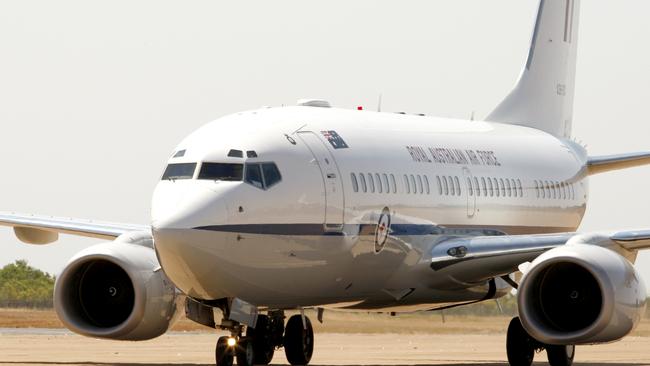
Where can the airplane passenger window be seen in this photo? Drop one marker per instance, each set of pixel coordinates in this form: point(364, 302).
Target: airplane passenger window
point(254, 175)
point(179, 171)
point(547, 188)
point(452, 189)
point(563, 190)
point(371, 183)
point(378, 179)
point(385, 183)
point(519, 188)
point(220, 171)
point(503, 187)
point(406, 184)
point(508, 187)
point(420, 188)
point(392, 180)
point(457, 182)
point(414, 189)
point(514, 187)
point(490, 187)
point(485, 190)
point(362, 178)
point(439, 184)
point(537, 188)
point(355, 184)
point(446, 186)
point(476, 187)
point(554, 190)
point(426, 185)
point(497, 191)
point(470, 190)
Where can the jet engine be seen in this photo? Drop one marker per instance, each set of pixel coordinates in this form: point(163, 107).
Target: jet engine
point(116, 290)
point(580, 294)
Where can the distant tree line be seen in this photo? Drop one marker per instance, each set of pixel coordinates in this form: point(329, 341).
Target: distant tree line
point(25, 287)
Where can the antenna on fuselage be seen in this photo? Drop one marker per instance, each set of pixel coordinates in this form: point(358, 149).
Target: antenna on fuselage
point(379, 103)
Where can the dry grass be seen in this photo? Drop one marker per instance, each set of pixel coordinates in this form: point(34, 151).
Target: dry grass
point(334, 322)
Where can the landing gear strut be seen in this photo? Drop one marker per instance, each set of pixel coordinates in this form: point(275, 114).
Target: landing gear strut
point(259, 344)
point(521, 348)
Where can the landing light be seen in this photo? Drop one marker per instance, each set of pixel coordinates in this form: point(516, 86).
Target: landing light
point(231, 342)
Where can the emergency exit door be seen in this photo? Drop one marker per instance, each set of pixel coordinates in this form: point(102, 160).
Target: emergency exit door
point(332, 184)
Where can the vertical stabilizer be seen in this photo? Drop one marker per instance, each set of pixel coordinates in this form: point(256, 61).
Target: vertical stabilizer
point(543, 96)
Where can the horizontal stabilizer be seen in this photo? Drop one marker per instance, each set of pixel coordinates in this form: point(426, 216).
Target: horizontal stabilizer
point(601, 164)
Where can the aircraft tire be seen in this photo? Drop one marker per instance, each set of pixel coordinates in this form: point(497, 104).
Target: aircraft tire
point(298, 341)
point(262, 340)
point(245, 353)
point(519, 345)
point(223, 356)
point(560, 355)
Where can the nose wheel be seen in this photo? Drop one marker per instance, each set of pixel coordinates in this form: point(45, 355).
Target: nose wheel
point(259, 344)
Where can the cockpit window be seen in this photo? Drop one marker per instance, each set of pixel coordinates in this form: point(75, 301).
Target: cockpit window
point(271, 174)
point(221, 171)
point(179, 171)
point(262, 175)
point(254, 175)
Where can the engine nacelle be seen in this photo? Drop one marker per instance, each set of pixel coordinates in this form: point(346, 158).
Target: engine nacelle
point(116, 290)
point(580, 294)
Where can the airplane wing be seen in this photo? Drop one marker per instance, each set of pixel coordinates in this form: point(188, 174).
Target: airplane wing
point(33, 229)
point(474, 259)
point(606, 163)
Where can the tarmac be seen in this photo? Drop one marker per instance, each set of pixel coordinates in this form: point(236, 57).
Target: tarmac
point(33, 347)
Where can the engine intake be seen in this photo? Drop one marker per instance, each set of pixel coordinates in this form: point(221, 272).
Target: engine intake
point(116, 290)
point(580, 293)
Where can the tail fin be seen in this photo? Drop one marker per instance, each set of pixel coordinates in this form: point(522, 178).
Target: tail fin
point(543, 96)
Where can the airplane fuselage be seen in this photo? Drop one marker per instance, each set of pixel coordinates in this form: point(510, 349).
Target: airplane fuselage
point(357, 205)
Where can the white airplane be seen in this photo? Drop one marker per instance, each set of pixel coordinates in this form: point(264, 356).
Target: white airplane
point(310, 206)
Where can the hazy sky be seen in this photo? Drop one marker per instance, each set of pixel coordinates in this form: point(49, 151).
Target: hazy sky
point(95, 95)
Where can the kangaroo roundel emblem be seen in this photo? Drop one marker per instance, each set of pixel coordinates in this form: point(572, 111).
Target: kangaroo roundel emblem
point(382, 230)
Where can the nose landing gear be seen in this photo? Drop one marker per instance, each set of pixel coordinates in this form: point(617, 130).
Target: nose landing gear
point(521, 348)
point(260, 343)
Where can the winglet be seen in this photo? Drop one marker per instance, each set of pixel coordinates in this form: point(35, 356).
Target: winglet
point(602, 164)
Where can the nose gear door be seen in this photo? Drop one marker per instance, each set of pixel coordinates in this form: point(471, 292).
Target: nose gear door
point(333, 186)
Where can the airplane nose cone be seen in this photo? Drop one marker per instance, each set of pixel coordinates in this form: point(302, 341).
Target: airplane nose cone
point(183, 205)
point(178, 210)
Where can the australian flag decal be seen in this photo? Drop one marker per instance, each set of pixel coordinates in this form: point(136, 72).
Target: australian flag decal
point(334, 139)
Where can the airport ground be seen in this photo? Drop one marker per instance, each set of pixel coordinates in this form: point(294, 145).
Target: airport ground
point(29, 337)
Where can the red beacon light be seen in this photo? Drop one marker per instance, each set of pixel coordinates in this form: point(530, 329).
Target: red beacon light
point(359, 108)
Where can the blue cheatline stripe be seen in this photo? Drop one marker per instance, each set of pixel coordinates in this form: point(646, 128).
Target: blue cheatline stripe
point(349, 229)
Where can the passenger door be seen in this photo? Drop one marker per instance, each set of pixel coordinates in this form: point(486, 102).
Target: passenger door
point(470, 191)
point(333, 186)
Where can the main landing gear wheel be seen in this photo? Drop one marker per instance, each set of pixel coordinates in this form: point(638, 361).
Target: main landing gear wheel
point(560, 355)
point(262, 339)
point(223, 353)
point(245, 352)
point(520, 346)
point(298, 341)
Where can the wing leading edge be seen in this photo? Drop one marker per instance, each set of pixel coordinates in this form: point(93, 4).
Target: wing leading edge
point(43, 230)
point(606, 163)
point(475, 259)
